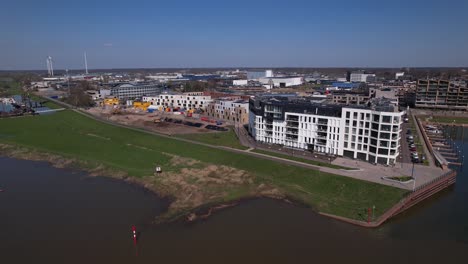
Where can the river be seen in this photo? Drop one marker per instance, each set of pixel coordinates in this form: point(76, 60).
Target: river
point(50, 215)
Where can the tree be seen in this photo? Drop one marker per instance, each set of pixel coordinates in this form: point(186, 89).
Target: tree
point(78, 97)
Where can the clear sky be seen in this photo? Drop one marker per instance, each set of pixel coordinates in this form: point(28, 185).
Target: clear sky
point(254, 33)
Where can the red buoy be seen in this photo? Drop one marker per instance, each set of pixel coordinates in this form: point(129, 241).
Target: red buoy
point(134, 235)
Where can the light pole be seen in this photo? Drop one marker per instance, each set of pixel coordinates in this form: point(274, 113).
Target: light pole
point(414, 178)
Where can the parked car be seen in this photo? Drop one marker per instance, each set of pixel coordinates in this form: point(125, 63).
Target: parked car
point(408, 132)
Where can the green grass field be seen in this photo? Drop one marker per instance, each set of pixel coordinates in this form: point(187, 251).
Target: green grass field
point(70, 134)
point(450, 120)
point(312, 162)
point(226, 139)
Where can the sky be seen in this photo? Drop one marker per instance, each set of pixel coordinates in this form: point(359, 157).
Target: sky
point(255, 33)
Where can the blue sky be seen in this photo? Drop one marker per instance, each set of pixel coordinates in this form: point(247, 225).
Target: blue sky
point(293, 33)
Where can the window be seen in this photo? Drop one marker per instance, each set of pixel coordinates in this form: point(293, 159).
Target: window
point(348, 114)
point(355, 115)
point(376, 118)
point(386, 119)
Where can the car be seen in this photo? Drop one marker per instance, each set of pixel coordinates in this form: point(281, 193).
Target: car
point(406, 120)
point(408, 132)
point(409, 137)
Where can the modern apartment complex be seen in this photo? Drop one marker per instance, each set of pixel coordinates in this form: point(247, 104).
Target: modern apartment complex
point(133, 91)
point(362, 77)
point(236, 111)
point(185, 101)
point(370, 133)
point(351, 97)
point(442, 94)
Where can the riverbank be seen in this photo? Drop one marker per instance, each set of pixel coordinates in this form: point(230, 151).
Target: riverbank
point(193, 175)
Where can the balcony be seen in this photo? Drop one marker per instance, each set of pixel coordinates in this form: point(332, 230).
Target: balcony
point(292, 118)
point(321, 137)
point(291, 132)
point(321, 143)
point(292, 124)
point(323, 123)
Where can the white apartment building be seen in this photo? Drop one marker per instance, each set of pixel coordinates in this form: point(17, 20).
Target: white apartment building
point(359, 132)
point(362, 77)
point(134, 91)
point(189, 102)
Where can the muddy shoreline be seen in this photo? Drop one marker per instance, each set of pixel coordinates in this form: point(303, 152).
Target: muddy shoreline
point(189, 215)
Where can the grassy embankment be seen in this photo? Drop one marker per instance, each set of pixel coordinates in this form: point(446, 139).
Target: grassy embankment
point(229, 139)
point(226, 139)
point(449, 120)
point(193, 175)
point(312, 162)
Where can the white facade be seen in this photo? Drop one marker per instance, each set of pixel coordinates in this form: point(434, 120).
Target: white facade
point(362, 77)
point(399, 74)
point(132, 91)
point(255, 75)
point(239, 82)
point(359, 133)
point(281, 82)
point(189, 102)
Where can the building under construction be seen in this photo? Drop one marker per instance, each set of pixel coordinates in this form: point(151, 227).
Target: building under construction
point(442, 94)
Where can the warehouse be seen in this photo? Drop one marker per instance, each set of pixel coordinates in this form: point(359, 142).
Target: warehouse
point(281, 82)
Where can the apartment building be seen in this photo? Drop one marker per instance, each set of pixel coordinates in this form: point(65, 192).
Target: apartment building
point(370, 133)
point(185, 101)
point(362, 77)
point(134, 91)
point(351, 97)
point(236, 111)
point(442, 94)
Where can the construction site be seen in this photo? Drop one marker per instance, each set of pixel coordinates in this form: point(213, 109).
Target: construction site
point(169, 121)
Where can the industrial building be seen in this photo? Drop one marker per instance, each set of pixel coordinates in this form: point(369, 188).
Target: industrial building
point(280, 82)
point(255, 75)
point(370, 133)
point(183, 101)
point(442, 94)
point(132, 91)
point(240, 82)
point(236, 111)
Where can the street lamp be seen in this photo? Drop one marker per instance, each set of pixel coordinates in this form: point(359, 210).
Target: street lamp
point(414, 178)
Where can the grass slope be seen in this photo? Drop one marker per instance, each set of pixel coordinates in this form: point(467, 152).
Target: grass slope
point(313, 162)
point(450, 120)
point(226, 139)
point(70, 134)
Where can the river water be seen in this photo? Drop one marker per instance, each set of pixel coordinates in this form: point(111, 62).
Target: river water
point(50, 215)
